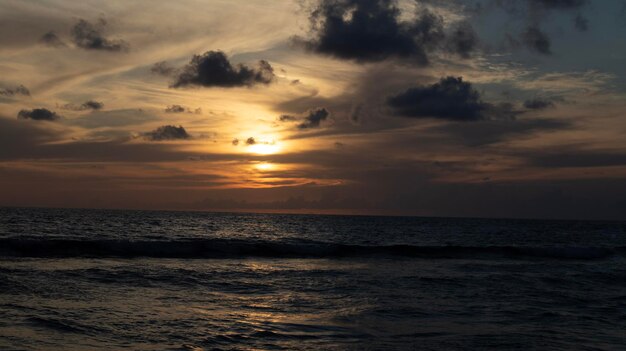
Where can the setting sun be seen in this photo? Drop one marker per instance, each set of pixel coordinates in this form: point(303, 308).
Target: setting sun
point(265, 166)
point(264, 149)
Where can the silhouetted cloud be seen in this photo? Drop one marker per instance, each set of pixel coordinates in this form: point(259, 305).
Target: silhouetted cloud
point(581, 23)
point(314, 118)
point(287, 118)
point(486, 132)
point(212, 69)
point(182, 109)
point(18, 90)
point(309, 119)
point(538, 104)
point(371, 30)
point(38, 114)
point(163, 68)
point(536, 40)
point(88, 36)
point(93, 105)
point(450, 98)
point(52, 39)
point(168, 132)
point(462, 40)
point(250, 141)
point(558, 4)
point(87, 105)
point(534, 13)
point(175, 109)
point(577, 158)
point(235, 142)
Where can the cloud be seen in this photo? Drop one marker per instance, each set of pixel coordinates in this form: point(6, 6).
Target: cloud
point(182, 109)
point(581, 23)
point(87, 105)
point(175, 109)
point(168, 132)
point(462, 40)
point(89, 36)
point(372, 30)
point(212, 69)
point(38, 114)
point(450, 98)
point(534, 13)
point(287, 118)
point(52, 39)
point(250, 141)
point(558, 4)
point(117, 119)
point(538, 104)
point(489, 132)
point(309, 119)
point(577, 158)
point(162, 68)
point(18, 90)
point(536, 40)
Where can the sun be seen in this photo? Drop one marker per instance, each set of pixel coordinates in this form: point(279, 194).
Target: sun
point(264, 166)
point(264, 149)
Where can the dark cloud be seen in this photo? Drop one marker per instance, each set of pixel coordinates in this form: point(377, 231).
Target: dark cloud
point(309, 119)
point(538, 104)
point(536, 40)
point(87, 105)
point(115, 119)
point(19, 90)
point(52, 39)
point(182, 109)
point(534, 13)
point(371, 30)
point(163, 68)
point(252, 141)
point(212, 69)
point(581, 23)
point(34, 141)
point(450, 98)
point(175, 109)
point(576, 159)
point(488, 132)
point(314, 118)
point(168, 133)
point(93, 105)
point(558, 4)
point(287, 118)
point(38, 114)
point(89, 36)
point(462, 40)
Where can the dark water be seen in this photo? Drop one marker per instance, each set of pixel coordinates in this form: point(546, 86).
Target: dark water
point(108, 280)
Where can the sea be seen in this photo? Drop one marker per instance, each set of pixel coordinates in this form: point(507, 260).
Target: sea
point(80, 279)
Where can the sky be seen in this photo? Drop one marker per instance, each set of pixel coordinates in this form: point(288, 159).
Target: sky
point(482, 108)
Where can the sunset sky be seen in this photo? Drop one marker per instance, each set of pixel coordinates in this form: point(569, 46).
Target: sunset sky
point(435, 108)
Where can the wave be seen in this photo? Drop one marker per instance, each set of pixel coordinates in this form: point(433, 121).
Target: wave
point(233, 248)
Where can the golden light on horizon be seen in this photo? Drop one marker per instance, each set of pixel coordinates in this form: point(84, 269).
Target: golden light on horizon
point(264, 148)
point(265, 166)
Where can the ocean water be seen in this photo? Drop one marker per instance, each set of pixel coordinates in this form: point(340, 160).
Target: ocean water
point(139, 280)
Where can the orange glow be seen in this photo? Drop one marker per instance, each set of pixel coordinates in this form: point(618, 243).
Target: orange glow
point(264, 149)
point(265, 166)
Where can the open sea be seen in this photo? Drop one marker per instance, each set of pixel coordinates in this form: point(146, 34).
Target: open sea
point(149, 280)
